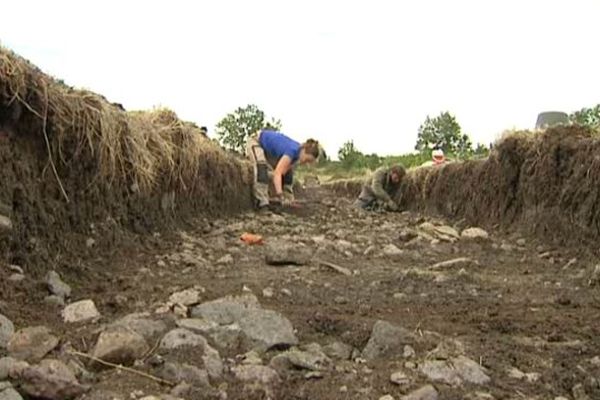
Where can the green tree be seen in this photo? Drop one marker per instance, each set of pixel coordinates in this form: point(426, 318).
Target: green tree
point(445, 133)
point(349, 154)
point(587, 116)
point(233, 130)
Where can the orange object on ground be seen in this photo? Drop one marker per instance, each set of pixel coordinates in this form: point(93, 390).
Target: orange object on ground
point(251, 238)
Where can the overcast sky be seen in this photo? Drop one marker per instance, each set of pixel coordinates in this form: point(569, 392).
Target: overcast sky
point(335, 70)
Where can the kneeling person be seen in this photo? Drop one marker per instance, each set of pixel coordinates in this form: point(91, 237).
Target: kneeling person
point(380, 187)
point(274, 154)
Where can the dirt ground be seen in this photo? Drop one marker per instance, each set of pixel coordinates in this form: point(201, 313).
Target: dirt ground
point(519, 304)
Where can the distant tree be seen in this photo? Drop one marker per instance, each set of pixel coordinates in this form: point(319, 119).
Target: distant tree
point(349, 154)
point(587, 116)
point(443, 132)
point(233, 130)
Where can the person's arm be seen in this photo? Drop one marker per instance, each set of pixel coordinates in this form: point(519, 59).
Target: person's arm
point(283, 166)
point(378, 186)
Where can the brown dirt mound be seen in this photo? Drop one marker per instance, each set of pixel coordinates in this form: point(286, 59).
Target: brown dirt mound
point(546, 182)
point(73, 163)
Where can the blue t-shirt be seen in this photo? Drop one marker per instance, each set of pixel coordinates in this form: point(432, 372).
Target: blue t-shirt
point(277, 145)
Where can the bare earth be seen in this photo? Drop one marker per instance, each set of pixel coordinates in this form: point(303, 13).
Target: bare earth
point(527, 313)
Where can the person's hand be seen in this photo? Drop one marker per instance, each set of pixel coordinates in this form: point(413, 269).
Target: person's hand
point(392, 206)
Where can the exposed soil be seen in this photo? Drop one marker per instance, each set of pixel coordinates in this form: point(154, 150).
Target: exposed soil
point(524, 304)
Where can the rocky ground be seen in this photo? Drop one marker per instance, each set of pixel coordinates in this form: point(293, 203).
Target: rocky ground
point(336, 304)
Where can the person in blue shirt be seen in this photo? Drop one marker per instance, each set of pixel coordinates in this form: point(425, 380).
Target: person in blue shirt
point(274, 156)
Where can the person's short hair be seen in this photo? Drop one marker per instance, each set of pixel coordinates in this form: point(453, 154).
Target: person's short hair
point(312, 148)
point(398, 170)
point(204, 130)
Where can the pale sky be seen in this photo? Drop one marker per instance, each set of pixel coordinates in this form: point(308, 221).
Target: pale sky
point(370, 71)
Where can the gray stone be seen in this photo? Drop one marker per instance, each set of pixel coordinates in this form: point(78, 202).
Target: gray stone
point(10, 394)
point(5, 224)
point(425, 393)
point(387, 397)
point(32, 344)
point(54, 300)
point(455, 371)
point(178, 373)
point(392, 250)
point(186, 297)
point(5, 385)
point(386, 341)
point(16, 269)
point(98, 394)
point(470, 371)
point(57, 286)
point(310, 358)
point(227, 310)
point(197, 325)
point(140, 324)
point(10, 366)
point(213, 363)
point(7, 329)
point(400, 378)
point(51, 380)
point(180, 337)
point(81, 311)
point(281, 253)
point(16, 278)
point(257, 378)
point(595, 276)
point(455, 263)
point(120, 345)
point(225, 260)
point(338, 351)
point(266, 329)
point(441, 371)
point(474, 233)
point(226, 337)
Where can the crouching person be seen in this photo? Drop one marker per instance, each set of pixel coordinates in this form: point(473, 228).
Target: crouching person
point(379, 188)
point(274, 156)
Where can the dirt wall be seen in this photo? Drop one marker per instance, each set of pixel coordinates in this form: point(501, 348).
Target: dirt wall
point(74, 166)
point(546, 183)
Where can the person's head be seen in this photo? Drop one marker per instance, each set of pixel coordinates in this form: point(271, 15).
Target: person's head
point(204, 130)
point(309, 152)
point(438, 156)
point(396, 173)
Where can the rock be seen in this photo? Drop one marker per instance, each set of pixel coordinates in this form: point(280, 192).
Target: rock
point(187, 297)
point(595, 361)
point(89, 243)
point(54, 300)
point(455, 263)
point(7, 329)
point(225, 260)
point(400, 378)
point(387, 397)
point(455, 371)
point(531, 377)
point(10, 366)
point(312, 359)
point(120, 345)
point(392, 250)
point(32, 344)
point(5, 385)
point(595, 277)
point(51, 380)
point(441, 371)
point(16, 269)
point(442, 232)
point(257, 378)
point(5, 224)
point(386, 341)
point(286, 292)
point(80, 311)
point(98, 394)
point(57, 286)
point(282, 253)
point(178, 373)
point(425, 393)
point(579, 392)
point(213, 363)
point(226, 337)
point(474, 233)
point(470, 371)
point(268, 293)
point(266, 329)
point(227, 310)
point(16, 278)
point(252, 358)
point(521, 242)
point(143, 326)
point(10, 394)
point(180, 337)
point(197, 325)
point(338, 351)
point(406, 235)
point(408, 352)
